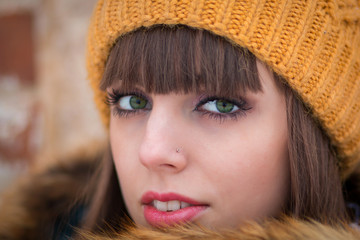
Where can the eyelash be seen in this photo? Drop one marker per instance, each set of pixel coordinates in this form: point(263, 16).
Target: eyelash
point(114, 97)
point(112, 101)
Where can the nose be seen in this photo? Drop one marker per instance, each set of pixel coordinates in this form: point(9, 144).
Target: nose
point(161, 148)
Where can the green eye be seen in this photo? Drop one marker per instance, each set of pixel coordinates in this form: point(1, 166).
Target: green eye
point(224, 106)
point(132, 102)
point(137, 102)
point(220, 106)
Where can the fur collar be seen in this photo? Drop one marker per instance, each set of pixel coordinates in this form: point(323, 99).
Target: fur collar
point(31, 207)
point(277, 230)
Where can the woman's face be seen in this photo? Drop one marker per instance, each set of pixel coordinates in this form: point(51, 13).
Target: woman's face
point(214, 161)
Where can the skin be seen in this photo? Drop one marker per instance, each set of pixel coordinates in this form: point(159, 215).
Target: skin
point(239, 167)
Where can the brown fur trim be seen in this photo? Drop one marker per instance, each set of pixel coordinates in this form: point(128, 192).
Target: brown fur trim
point(29, 209)
point(288, 228)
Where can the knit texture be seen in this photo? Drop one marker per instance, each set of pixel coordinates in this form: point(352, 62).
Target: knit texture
point(313, 44)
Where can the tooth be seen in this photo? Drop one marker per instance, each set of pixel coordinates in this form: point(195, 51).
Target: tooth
point(185, 204)
point(173, 205)
point(161, 206)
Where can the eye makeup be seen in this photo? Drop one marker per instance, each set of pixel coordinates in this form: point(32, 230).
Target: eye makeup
point(128, 104)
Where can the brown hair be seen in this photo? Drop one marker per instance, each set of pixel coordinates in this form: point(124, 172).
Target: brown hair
point(315, 188)
point(166, 59)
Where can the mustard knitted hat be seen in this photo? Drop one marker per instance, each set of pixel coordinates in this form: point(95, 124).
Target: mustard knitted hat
point(314, 45)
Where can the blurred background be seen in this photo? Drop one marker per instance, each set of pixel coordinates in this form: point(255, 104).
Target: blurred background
point(46, 106)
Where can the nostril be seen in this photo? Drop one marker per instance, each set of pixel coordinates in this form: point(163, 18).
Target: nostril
point(168, 165)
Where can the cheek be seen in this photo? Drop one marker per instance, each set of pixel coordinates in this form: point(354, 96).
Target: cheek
point(124, 143)
point(254, 169)
point(124, 147)
point(254, 166)
point(124, 150)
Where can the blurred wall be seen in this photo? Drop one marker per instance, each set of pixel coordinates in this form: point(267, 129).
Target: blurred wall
point(70, 119)
point(49, 112)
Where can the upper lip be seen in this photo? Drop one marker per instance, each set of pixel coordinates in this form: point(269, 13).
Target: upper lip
point(150, 196)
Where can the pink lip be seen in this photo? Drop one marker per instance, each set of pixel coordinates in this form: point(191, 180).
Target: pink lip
point(158, 218)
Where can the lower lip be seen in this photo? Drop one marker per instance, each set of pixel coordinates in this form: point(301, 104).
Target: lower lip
point(158, 218)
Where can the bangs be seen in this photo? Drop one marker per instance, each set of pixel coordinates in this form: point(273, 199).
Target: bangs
point(164, 59)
